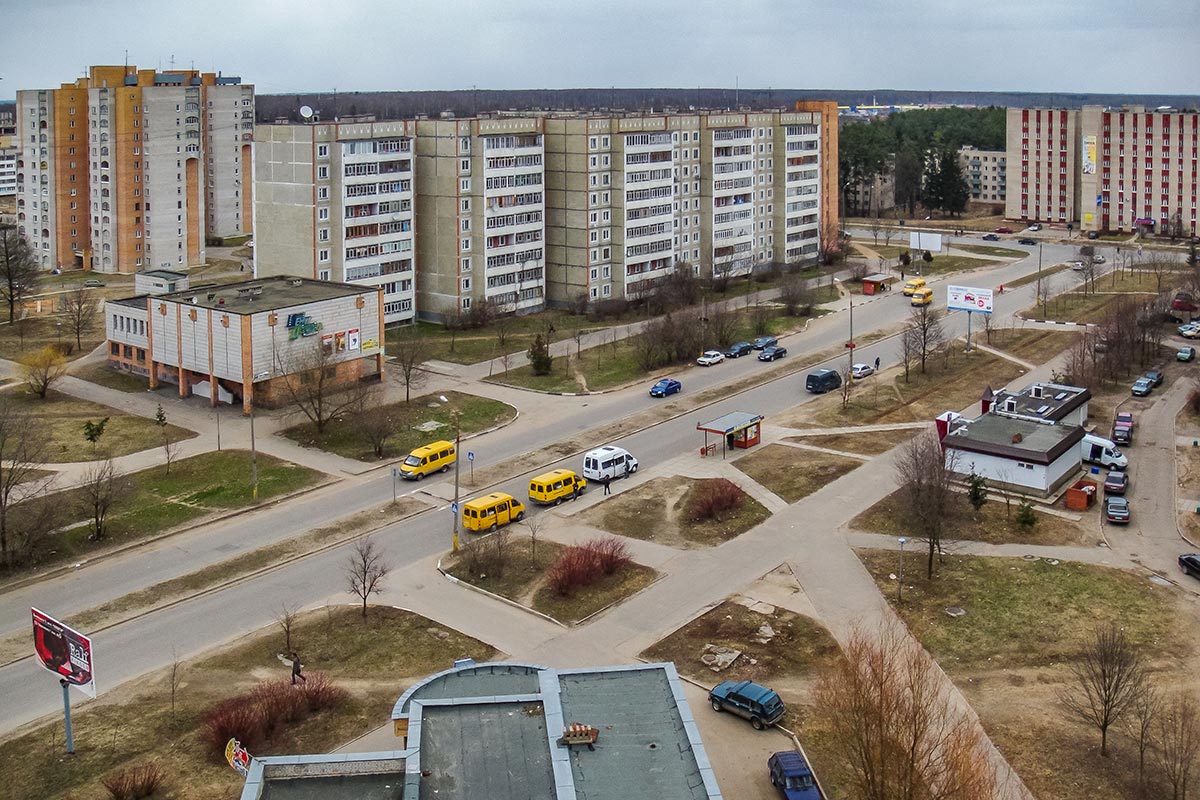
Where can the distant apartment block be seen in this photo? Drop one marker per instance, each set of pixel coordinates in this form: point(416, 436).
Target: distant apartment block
point(986, 172)
point(1105, 169)
point(522, 211)
point(129, 169)
point(8, 154)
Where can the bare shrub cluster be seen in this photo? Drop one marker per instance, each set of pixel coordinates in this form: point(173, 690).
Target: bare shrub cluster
point(136, 783)
point(256, 717)
point(582, 565)
point(715, 499)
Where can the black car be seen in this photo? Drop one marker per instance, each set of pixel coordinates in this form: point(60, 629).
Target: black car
point(1155, 377)
point(738, 349)
point(1190, 564)
point(1027, 241)
point(772, 353)
point(763, 342)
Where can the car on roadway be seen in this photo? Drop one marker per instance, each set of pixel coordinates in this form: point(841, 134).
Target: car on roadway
point(1185, 353)
point(739, 349)
point(772, 353)
point(1116, 482)
point(710, 357)
point(1037, 226)
point(860, 371)
point(1097, 259)
point(1142, 387)
point(792, 777)
point(1155, 376)
point(665, 387)
point(1027, 241)
point(1004, 229)
point(991, 237)
point(1077, 266)
point(763, 342)
point(1190, 564)
point(93, 283)
point(760, 705)
point(1116, 510)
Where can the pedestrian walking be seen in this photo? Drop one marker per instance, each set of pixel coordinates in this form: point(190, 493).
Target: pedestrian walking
point(296, 667)
point(606, 480)
point(877, 363)
point(627, 469)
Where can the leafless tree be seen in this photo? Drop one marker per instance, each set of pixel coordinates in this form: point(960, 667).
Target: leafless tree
point(926, 477)
point(1003, 486)
point(1046, 288)
point(499, 542)
point(41, 369)
point(876, 228)
point(79, 308)
point(377, 422)
point(910, 347)
point(170, 447)
point(722, 324)
point(365, 571)
point(1143, 715)
point(18, 268)
point(312, 384)
point(175, 678)
point(897, 727)
point(761, 315)
point(534, 525)
point(408, 353)
point(928, 334)
point(794, 296)
point(102, 485)
point(1178, 741)
point(22, 449)
point(1109, 677)
point(285, 617)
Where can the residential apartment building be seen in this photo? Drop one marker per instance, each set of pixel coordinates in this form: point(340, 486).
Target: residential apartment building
point(334, 202)
point(986, 173)
point(8, 154)
point(1105, 169)
point(127, 169)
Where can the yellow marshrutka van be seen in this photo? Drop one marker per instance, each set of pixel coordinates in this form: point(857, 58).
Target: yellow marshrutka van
point(430, 458)
point(555, 486)
point(922, 296)
point(491, 511)
point(913, 286)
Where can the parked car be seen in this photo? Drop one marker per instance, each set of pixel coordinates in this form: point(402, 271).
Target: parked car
point(1122, 434)
point(772, 353)
point(710, 357)
point(93, 283)
point(738, 349)
point(860, 371)
point(665, 387)
point(1027, 241)
point(758, 704)
point(1037, 226)
point(822, 380)
point(1116, 482)
point(1093, 234)
point(1116, 510)
point(1185, 353)
point(791, 775)
point(1191, 333)
point(1184, 301)
point(1155, 376)
point(991, 237)
point(1187, 326)
point(1004, 229)
point(1125, 418)
point(1190, 564)
point(1142, 387)
point(1097, 259)
point(763, 342)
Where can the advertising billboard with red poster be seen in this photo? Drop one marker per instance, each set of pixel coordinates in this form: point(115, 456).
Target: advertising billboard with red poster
point(64, 651)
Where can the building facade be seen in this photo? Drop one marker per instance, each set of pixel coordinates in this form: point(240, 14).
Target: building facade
point(8, 154)
point(128, 169)
point(1105, 169)
point(986, 173)
point(242, 342)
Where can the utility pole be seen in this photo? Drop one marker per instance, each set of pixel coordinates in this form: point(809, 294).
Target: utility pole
point(253, 456)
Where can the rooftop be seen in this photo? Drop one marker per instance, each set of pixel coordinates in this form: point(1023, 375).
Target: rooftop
point(165, 274)
point(1006, 437)
point(265, 294)
point(137, 301)
point(733, 421)
point(1049, 402)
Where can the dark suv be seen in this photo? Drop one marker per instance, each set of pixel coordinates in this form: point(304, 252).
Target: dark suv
point(823, 380)
point(747, 699)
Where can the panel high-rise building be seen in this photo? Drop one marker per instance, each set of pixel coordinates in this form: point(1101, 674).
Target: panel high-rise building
point(129, 169)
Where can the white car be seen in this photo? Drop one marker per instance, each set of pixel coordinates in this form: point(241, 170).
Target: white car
point(1097, 259)
point(1078, 266)
point(860, 371)
point(710, 357)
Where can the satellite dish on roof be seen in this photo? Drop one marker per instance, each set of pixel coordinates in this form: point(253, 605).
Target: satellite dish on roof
point(306, 113)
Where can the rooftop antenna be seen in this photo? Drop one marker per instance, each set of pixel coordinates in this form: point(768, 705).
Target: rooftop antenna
point(126, 59)
point(306, 113)
point(736, 89)
point(172, 61)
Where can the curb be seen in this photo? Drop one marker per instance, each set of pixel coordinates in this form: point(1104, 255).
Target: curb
point(495, 596)
point(614, 603)
point(1057, 322)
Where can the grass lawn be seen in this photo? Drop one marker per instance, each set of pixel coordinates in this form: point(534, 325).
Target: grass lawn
point(154, 502)
point(1028, 279)
point(522, 577)
point(869, 444)
point(990, 250)
point(991, 524)
point(942, 264)
point(792, 473)
point(1079, 306)
point(61, 418)
point(100, 373)
point(886, 250)
point(35, 332)
point(343, 437)
point(375, 660)
point(1028, 344)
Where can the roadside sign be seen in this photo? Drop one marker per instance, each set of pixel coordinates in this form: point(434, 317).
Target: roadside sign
point(64, 651)
point(395, 472)
point(454, 508)
point(850, 345)
point(968, 298)
point(470, 455)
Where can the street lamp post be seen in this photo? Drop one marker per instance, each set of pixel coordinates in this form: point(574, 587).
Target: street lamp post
point(457, 443)
point(900, 583)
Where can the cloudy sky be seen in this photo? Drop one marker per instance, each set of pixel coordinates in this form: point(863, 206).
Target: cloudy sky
point(1146, 46)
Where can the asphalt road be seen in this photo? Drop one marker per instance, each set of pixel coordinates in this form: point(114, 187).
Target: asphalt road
point(131, 649)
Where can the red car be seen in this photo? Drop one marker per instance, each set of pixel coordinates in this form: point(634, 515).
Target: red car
point(1004, 229)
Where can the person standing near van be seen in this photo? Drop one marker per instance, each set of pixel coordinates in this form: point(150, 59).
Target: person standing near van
point(607, 480)
point(627, 469)
point(877, 363)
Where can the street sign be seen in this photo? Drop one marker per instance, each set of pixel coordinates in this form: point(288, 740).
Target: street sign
point(454, 508)
point(64, 651)
point(968, 298)
point(470, 455)
point(395, 472)
point(850, 345)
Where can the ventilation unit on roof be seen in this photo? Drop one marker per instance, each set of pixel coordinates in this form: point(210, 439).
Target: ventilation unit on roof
point(1010, 404)
point(1042, 410)
point(1036, 391)
point(296, 282)
point(1060, 396)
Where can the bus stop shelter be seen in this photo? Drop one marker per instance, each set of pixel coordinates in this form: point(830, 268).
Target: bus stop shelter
point(874, 284)
point(738, 429)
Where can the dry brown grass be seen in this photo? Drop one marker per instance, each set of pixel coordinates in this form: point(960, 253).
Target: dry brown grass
point(792, 473)
point(1028, 344)
point(871, 443)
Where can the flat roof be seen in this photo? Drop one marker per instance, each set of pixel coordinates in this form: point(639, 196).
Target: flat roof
point(166, 274)
point(265, 294)
point(1048, 401)
point(1006, 437)
point(137, 301)
point(733, 421)
point(496, 750)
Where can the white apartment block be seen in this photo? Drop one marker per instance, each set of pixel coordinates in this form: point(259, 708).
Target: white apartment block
point(8, 170)
point(986, 173)
point(334, 202)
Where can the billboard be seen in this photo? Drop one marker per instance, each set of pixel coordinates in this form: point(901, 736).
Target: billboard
point(920, 240)
point(64, 651)
point(1089, 155)
point(967, 298)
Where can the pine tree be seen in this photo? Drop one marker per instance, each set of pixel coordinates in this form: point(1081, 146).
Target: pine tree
point(976, 491)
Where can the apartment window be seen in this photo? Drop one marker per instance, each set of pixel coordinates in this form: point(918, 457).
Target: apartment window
point(466, 204)
point(323, 257)
point(322, 192)
point(607, 270)
point(323, 235)
point(466, 284)
point(592, 162)
point(604, 253)
point(466, 265)
point(323, 275)
point(592, 199)
point(322, 214)
point(322, 151)
point(465, 245)
point(464, 165)
point(465, 184)
point(466, 303)
point(593, 238)
point(606, 290)
point(592, 143)
point(594, 273)
point(604, 142)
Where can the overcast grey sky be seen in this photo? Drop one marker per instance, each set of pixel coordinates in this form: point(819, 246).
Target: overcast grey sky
point(1024, 45)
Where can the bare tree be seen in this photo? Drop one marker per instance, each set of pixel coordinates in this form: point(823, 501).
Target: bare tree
point(1178, 741)
point(1047, 288)
point(760, 318)
point(175, 678)
point(794, 296)
point(910, 346)
point(42, 369)
point(1143, 715)
point(79, 308)
point(876, 228)
point(18, 268)
point(169, 446)
point(926, 477)
point(1109, 676)
point(896, 724)
point(285, 618)
point(311, 382)
point(102, 485)
point(408, 353)
point(365, 571)
point(377, 422)
point(534, 525)
point(22, 449)
point(928, 334)
point(722, 324)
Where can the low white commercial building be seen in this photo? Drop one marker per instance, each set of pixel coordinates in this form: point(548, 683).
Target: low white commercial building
point(1032, 457)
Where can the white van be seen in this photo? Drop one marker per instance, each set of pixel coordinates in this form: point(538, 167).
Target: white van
point(609, 461)
point(1104, 452)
